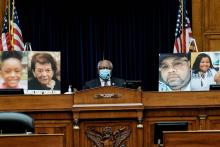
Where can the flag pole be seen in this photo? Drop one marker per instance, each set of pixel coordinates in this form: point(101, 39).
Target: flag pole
point(12, 25)
point(182, 27)
point(9, 15)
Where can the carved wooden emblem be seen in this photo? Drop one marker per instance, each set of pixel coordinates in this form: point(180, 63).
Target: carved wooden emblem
point(109, 138)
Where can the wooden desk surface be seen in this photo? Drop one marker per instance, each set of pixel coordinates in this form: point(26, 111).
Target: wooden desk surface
point(30, 103)
point(59, 113)
point(203, 138)
point(184, 99)
point(150, 100)
point(32, 140)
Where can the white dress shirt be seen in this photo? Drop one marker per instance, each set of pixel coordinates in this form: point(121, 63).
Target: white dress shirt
point(108, 82)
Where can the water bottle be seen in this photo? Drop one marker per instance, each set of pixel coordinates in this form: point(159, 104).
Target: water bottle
point(27, 46)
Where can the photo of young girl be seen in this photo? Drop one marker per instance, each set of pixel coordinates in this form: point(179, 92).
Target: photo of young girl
point(13, 70)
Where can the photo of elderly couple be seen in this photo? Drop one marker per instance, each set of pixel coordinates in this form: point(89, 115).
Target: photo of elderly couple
point(30, 70)
point(195, 71)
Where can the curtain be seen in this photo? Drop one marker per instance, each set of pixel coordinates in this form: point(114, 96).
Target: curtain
point(131, 35)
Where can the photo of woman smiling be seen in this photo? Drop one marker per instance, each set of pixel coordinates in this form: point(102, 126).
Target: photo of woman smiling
point(43, 71)
point(203, 72)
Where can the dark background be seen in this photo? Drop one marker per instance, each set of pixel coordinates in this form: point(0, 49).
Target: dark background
point(130, 34)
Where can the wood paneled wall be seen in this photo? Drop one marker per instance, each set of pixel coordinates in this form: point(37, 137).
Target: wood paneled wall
point(206, 24)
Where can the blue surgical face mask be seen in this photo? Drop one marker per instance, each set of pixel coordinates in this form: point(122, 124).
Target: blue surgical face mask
point(105, 74)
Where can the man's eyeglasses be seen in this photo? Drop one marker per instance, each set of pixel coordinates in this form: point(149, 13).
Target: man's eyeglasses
point(175, 65)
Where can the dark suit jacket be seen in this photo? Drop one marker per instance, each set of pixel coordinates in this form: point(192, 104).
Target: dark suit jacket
point(96, 83)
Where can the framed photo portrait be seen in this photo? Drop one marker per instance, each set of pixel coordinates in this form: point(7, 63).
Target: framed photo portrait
point(44, 72)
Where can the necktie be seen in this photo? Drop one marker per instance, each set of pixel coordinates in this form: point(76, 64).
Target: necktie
point(105, 83)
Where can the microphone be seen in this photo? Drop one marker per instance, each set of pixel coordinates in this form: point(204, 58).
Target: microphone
point(108, 76)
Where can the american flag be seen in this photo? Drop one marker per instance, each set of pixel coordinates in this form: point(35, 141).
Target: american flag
point(6, 37)
point(183, 35)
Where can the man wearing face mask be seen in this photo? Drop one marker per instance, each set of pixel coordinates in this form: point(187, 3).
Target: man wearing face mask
point(104, 68)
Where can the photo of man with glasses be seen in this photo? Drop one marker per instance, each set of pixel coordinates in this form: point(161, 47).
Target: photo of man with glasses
point(174, 72)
